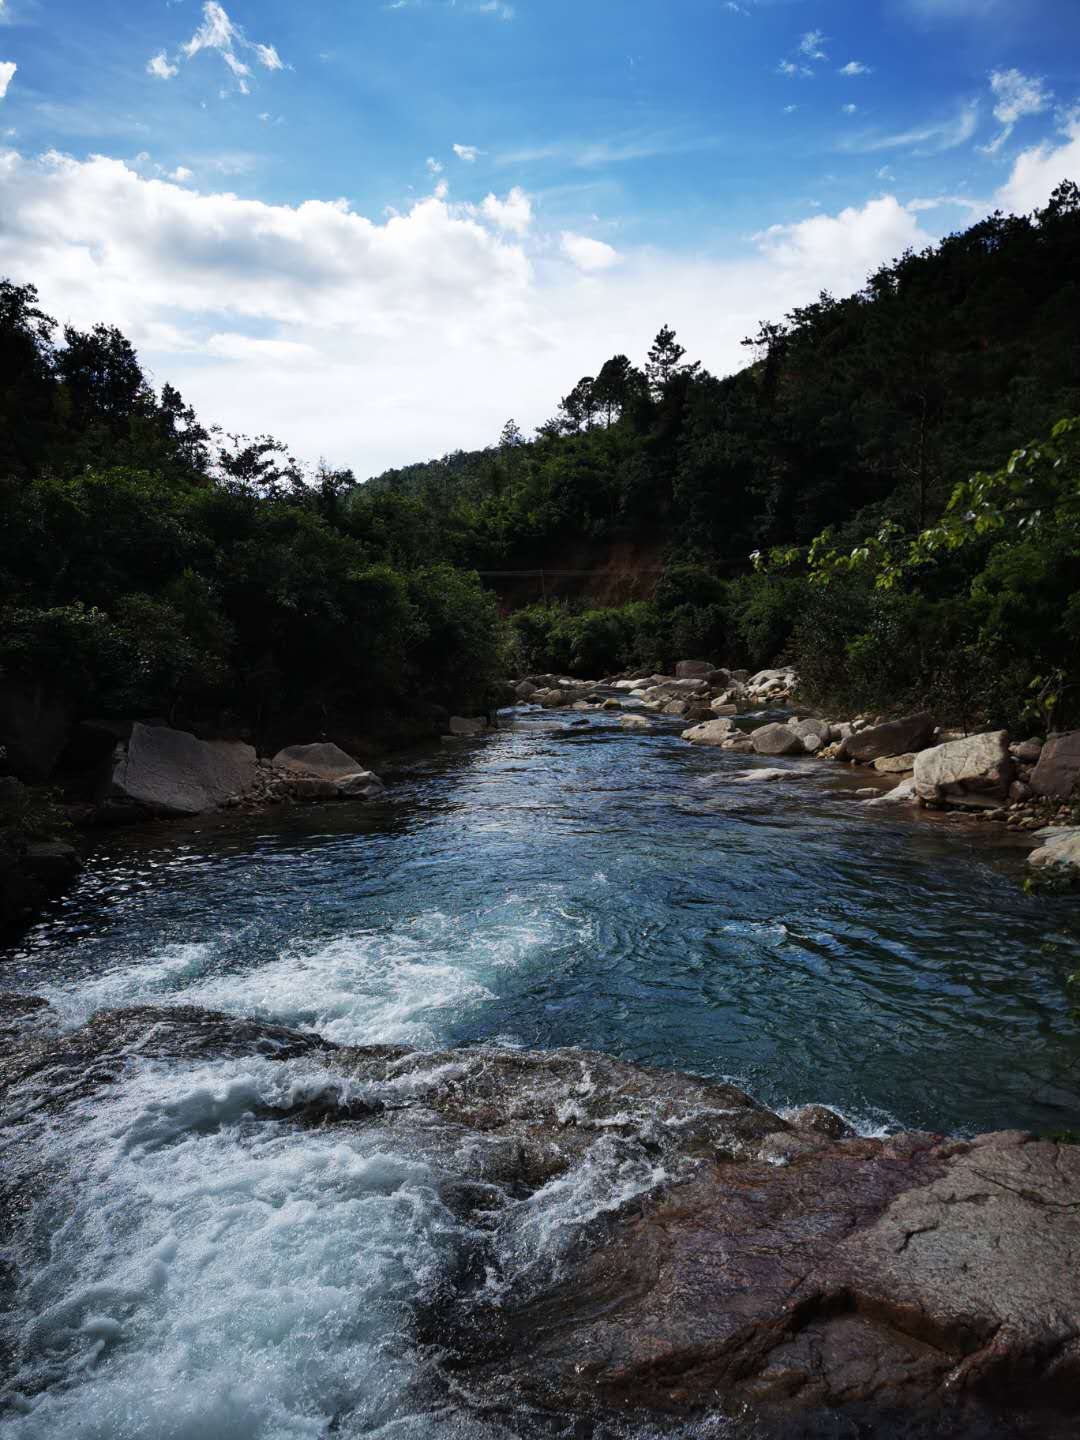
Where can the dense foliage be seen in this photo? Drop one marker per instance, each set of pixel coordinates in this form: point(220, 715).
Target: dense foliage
point(858, 417)
point(150, 565)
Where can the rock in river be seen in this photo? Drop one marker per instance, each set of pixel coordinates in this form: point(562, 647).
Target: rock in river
point(709, 732)
point(327, 761)
point(777, 740)
point(172, 773)
point(975, 769)
point(893, 737)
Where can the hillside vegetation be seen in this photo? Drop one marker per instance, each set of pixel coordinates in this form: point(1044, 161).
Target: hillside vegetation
point(151, 566)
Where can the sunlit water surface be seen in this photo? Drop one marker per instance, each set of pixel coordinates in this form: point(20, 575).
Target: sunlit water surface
point(194, 1275)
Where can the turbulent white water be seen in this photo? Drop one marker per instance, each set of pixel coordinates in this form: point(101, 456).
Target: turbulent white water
point(199, 1272)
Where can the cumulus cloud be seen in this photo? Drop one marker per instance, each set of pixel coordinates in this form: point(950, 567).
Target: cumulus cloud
point(434, 167)
point(855, 67)
point(587, 254)
point(1016, 95)
point(277, 317)
point(849, 109)
point(841, 246)
point(1037, 173)
point(514, 214)
point(7, 74)
point(468, 153)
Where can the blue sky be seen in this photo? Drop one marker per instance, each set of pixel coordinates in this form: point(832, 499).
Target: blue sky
point(379, 229)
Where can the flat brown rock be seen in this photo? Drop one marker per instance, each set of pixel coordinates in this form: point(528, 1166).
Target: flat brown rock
point(896, 1275)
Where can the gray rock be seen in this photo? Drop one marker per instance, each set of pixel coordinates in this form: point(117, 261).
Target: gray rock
point(895, 764)
point(1027, 751)
point(1059, 853)
point(776, 740)
point(467, 725)
point(675, 707)
point(976, 767)
point(1058, 770)
point(894, 737)
point(903, 794)
point(812, 726)
point(635, 722)
point(172, 773)
point(693, 669)
point(524, 690)
point(364, 785)
point(324, 759)
point(710, 732)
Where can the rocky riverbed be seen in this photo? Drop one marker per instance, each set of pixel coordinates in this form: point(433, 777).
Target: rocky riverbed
point(715, 1256)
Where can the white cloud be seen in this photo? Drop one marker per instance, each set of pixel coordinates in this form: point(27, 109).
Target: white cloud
point(1036, 173)
point(268, 57)
point(845, 246)
point(434, 167)
point(498, 8)
point(928, 139)
point(7, 74)
point(790, 109)
point(181, 175)
point(811, 43)
point(468, 153)
point(514, 214)
point(158, 66)
point(276, 317)
point(849, 109)
point(855, 67)
point(588, 254)
point(218, 32)
point(1016, 95)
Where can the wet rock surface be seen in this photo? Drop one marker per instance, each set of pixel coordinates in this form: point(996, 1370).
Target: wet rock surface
point(776, 1269)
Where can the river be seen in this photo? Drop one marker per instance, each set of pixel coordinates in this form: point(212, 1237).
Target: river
point(192, 1274)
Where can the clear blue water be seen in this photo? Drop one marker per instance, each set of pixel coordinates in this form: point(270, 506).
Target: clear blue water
point(600, 888)
point(188, 1271)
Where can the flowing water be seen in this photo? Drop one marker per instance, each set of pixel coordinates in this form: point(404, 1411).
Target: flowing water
point(193, 1272)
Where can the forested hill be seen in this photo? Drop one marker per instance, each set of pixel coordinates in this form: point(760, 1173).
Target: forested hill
point(152, 566)
point(850, 411)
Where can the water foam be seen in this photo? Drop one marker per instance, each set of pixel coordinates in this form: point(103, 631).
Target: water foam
point(407, 985)
point(206, 1274)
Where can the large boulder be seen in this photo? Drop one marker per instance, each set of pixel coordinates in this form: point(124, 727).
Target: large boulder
point(524, 690)
point(693, 669)
point(710, 732)
point(326, 760)
point(777, 740)
point(172, 773)
point(973, 770)
point(465, 725)
point(634, 722)
point(1058, 770)
point(894, 737)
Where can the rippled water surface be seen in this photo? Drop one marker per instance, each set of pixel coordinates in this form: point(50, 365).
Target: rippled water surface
point(200, 1276)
